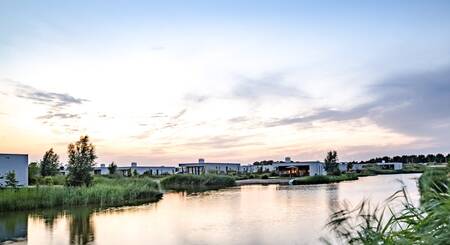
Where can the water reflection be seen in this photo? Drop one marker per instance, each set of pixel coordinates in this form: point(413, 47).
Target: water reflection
point(13, 226)
point(242, 215)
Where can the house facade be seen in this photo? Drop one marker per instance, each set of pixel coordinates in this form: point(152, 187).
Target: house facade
point(17, 163)
point(202, 167)
point(390, 165)
point(294, 169)
point(125, 170)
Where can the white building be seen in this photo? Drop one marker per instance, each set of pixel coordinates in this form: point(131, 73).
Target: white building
point(17, 163)
point(150, 170)
point(390, 165)
point(202, 167)
point(307, 168)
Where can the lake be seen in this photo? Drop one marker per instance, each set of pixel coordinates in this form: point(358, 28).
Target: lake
point(253, 214)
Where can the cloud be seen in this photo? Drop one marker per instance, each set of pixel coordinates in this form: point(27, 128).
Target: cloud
point(266, 86)
point(51, 115)
point(179, 114)
point(415, 104)
point(47, 98)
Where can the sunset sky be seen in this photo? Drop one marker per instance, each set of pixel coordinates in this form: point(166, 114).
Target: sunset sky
point(173, 81)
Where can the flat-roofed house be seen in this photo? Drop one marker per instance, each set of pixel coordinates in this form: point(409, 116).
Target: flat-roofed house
point(202, 167)
point(125, 170)
point(390, 165)
point(306, 168)
point(17, 163)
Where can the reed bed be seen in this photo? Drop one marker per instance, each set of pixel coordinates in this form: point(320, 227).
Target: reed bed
point(188, 182)
point(105, 192)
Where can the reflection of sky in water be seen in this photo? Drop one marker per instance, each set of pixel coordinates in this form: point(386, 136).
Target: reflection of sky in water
point(241, 215)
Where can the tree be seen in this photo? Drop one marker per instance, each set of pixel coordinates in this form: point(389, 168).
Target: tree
point(81, 162)
point(431, 158)
point(112, 168)
point(49, 163)
point(33, 173)
point(135, 173)
point(10, 179)
point(350, 166)
point(331, 163)
point(440, 158)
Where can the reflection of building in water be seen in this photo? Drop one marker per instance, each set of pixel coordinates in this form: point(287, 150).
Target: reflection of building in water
point(13, 226)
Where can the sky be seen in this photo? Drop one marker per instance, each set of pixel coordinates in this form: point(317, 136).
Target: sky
point(163, 82)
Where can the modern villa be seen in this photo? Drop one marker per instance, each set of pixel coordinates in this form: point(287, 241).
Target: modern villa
point(151, 170)
point(291, 168)
point(202, 167)
point(390, 165)
point(17, 163)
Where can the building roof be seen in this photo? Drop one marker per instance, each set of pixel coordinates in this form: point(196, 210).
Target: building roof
point(207, 163)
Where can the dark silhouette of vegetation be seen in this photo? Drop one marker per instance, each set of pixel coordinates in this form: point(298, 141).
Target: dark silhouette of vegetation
point(429, 158)
point(112, 168)
point(49, 163)
point(331, 163)
point(33, 173)
point(10, 179)
point(81, 162)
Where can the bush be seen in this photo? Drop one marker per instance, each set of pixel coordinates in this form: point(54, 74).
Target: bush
point(193, 182)
point(323, 179)
point(265, 176)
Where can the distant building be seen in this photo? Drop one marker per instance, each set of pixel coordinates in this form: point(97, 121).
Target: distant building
point(150, 170)
point(306, 168)
point(390, 165)
point(17, 163)
point(202, 167)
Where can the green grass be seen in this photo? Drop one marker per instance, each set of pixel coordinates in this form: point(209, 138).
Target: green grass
point(105, 192)
point(427, 224)
point(188, 182)
point(323, 179)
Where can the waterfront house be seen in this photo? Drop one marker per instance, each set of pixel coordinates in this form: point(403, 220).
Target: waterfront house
point(390, 165)
point(125, 170)
point(202, 167)
point(17, 163)
point(306, 168)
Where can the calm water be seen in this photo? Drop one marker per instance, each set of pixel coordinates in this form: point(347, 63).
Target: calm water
point(241, 215)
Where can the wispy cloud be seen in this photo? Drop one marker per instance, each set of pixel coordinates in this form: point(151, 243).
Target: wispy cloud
point(416, 104)
point(269, 85)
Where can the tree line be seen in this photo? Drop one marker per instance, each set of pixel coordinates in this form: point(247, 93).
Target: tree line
point(429, 158)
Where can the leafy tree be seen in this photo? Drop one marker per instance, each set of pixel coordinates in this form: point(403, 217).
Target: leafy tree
point(331, 163)
point(49, 163)
point(112, 168)
point(440, 158)
point(135, 173)
point(81, 162)
point(431, 158)
point(350, 166)
point(10, 179)
point(33, 173)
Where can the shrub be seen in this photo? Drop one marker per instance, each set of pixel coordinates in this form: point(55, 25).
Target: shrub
point(265, 176)
point(192, 182)
point(323, 179)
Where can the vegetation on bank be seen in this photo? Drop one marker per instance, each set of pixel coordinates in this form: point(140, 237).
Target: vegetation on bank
point(427, 224)
point(323, 179)
point(188, 182)
point(104, 192)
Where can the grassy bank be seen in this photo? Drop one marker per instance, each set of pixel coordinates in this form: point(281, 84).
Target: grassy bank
point(427, 224)
point(187, 182)
point(319, 179)
point(105, 192)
